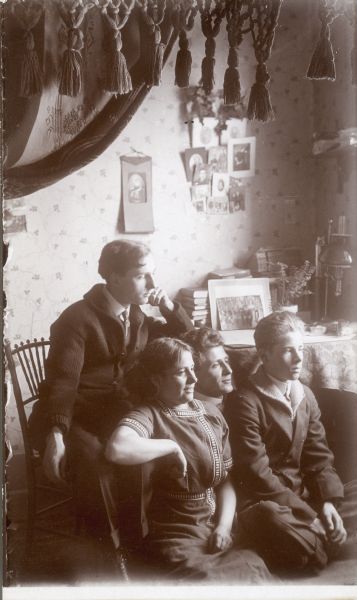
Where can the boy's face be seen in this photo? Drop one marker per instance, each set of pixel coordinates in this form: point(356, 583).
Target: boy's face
point(214, 375)
point(283, 360)
point(135, 286)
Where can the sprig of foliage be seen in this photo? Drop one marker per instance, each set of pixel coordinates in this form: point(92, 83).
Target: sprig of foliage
point(292, 282)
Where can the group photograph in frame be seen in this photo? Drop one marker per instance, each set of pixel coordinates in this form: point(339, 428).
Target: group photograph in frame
point(241, 156)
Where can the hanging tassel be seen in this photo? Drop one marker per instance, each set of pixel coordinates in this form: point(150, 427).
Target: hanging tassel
point(259, 106)
point(183, 62)
point(118, 78)
point(208, 65)
point(322, 65)
point(231, 85)
point(155, 58)
point(31, 74)
point(71, 72)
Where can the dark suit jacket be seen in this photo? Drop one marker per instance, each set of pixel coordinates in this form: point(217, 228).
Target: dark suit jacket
point(276, 457)
point(87, 360)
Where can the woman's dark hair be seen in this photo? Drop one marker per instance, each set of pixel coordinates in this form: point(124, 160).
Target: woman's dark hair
point(121, 255)
point(271, 328)
point(159, 355)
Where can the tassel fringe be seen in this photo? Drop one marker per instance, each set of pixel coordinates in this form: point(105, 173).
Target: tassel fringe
point(118, 77)
point(71, 74)
point(155, 59)
point(322, 65)
point(183, 62)
point(259, 105)
point(31, 74)
point(231, 85)
point(207, 66)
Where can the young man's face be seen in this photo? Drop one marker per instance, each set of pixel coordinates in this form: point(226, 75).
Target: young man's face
point(214, 375)
point(135, 286)
point(283, 360)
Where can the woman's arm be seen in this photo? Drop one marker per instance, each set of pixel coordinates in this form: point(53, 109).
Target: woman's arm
point(226, 501)
point(127, 447)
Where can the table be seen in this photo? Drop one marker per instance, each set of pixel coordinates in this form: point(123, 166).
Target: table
point(327, 364)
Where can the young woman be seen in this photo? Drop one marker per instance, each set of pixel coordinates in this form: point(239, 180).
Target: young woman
point(192, 507)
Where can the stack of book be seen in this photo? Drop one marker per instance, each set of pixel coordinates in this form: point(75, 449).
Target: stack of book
point(195, 303)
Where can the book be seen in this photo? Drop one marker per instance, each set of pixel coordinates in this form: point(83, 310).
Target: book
point(193, 292)
point(194, 302)
point(198, 313)
point(229, 272)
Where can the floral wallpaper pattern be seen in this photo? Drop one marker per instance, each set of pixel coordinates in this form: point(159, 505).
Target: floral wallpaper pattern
point(54, 262)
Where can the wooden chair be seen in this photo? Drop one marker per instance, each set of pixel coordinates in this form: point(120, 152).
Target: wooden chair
point(29, 359)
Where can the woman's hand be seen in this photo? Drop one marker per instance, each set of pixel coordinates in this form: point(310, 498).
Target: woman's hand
point(220, 539)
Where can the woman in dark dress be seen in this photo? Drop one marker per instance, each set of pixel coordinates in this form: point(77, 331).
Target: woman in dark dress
point(185, 442)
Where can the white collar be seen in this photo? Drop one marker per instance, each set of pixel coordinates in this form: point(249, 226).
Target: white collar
point(115, 306)
point(284, 386)
point(204, 398)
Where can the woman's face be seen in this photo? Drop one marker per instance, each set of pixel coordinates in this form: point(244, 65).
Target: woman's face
point(176, 385)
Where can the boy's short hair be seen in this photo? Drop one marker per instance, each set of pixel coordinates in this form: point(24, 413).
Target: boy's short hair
point(121, 255)
point(201, 340)
point(275, 325)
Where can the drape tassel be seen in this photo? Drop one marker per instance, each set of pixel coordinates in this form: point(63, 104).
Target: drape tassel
point(71, 72)
point(322, 65)
point(183, 62)
point(118, 77)
point(231, 85)
point(207, 66)
point(155, 58)
point(259, 106)
point(31, 74)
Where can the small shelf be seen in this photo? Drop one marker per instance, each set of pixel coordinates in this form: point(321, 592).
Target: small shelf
point(344, 143)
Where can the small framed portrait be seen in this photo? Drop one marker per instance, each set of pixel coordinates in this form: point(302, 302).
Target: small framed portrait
point(236, 195)
point(220, 185)
point(204, 134)
point(202, 175)
point(217, 158)
point(241, 156)
point(193, 158)
point(217, 206)
point(199, 197)
point(236, 129)
point(136, 180)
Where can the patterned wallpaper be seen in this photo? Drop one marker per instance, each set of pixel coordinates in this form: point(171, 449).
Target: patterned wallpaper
point(54, 261)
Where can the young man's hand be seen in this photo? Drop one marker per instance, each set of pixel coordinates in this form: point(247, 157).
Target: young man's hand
point(333, 524)
point(158, 297)
point(318, 528)
point(54, 459)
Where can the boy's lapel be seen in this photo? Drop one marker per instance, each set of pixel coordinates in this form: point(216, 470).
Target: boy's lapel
point(274, 400)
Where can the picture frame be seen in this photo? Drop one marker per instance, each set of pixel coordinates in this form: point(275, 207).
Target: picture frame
point(218, 159)
point(199, 197)
point(236, 306)
point(241, 156)
point(193, 157)
point(136, 176)
point(236, 195)
point(236, 128)
point(220, 185)
point(202, 174)
point(203, 133)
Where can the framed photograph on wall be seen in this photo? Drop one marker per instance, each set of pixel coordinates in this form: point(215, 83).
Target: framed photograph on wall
point(202, 175)
point(193, 158)
point(220, 185)
point(237, 305)
point(217, 158)
point(236, 195)
point(236, 128)
point(204, 134)
point(137, 193)
point(241, 156)
point(199, 197)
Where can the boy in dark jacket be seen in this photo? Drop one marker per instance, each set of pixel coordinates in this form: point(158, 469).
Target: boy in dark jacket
point(92, 345)
point(289, 492)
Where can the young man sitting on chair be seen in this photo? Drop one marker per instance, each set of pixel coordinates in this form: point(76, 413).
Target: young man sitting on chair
point(92, 345)
point(212, 367)
point(289, 493)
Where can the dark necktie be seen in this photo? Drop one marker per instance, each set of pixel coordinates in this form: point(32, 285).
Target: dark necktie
point(124, 317)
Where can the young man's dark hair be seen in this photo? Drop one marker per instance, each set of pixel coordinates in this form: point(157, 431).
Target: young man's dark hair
point(121, 255)
point(283, 469)
point(212, 366)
